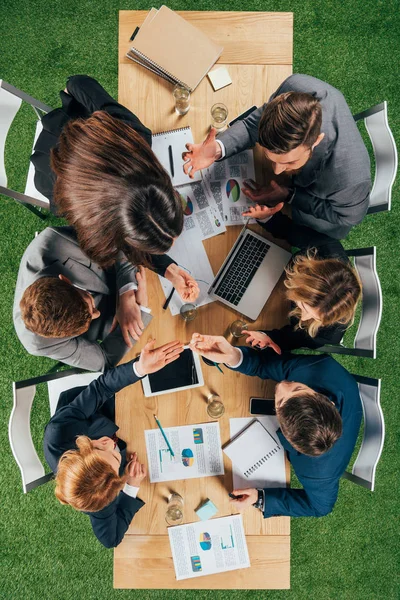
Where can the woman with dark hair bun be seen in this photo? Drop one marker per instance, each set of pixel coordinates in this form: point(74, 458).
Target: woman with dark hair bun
point(93, 161)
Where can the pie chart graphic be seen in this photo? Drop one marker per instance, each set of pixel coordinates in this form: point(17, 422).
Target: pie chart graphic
point(233, 190)
point(187, 457)
point(205, 541)
point(187, 205)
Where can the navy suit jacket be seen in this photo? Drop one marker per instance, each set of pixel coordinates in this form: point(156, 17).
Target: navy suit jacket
point(319, 475)
point(91, 411)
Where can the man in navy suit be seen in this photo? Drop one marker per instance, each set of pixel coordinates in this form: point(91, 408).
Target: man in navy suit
point(93, 474)
point(319, 411)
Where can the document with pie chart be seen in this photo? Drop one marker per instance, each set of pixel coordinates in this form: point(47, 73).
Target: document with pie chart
point(225, 179)
point(197, 452)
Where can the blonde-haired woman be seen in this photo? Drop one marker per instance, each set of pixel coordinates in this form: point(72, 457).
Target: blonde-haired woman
point(93, 473)
point(323, 287)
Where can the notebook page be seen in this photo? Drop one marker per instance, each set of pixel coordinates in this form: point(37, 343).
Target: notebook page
point(251, 448)
point(177, 140)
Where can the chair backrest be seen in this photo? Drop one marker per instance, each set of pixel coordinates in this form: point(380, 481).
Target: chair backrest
point(19, 430)
point(363, 471)
point(11, 99)
point(385, 151)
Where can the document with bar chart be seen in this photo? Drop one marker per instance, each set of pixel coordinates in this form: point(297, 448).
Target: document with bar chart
point(208, 547)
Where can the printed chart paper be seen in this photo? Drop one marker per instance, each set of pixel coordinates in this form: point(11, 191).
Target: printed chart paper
point(225, 180)
point(201, 213)
point(272, 473)
point(197, 450)
point(208, 547)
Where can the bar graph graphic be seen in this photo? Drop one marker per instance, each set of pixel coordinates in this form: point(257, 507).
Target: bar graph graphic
point(227, 541)
point(165, 457)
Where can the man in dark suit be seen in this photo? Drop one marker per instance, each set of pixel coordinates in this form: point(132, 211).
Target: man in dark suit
point(81, 447)
point(65, 304)
point(319, 411)
point(308, 133)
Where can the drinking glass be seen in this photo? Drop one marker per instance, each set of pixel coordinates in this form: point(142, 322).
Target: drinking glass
point(182, 99)
point(188, 312)
point(236, 327)
point(215, 407)
point(219, 115)
point(174, 514)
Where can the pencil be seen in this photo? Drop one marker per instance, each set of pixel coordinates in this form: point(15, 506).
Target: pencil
point(168, 300)
point(164, 436)
point(218, 367)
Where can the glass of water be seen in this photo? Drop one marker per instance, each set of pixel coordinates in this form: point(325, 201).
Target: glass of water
point(188, 312)
point(236, 327)
point(182, 99)
point(215, 407)
point(219, 115)
point(174, 514)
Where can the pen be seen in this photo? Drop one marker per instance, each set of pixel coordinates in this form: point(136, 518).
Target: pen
point(171, 161)
point(134, 34)
point(164, 436)
point(218, 367)
point(168, 300)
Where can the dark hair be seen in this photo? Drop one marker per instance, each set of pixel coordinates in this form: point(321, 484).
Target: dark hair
point(53, 308)
point(113, 190)
point(290, 120)
point(310, 422)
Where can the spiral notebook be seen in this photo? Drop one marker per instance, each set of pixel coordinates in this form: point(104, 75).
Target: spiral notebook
point(251, 449)
point(168, 146)
point(169, 46)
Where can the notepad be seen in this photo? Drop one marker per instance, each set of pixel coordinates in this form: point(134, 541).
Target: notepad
point(169, 46)
point(168, 146)
point(251, 449)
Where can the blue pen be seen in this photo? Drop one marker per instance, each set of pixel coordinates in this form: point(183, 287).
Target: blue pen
point(164, 436)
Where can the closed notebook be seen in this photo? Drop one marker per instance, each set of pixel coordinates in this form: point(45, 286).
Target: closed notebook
point(251, 448)
point(173, 48)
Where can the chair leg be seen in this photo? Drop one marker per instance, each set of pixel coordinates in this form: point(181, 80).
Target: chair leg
point(35, 211)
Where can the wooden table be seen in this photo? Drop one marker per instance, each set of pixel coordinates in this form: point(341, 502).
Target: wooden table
point(258, 55)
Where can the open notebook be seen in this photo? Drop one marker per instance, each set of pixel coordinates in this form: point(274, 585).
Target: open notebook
point(168, 146)
point(169, 46)
point(251, 449)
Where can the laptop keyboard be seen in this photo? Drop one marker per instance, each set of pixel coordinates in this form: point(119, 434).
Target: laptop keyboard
point(242, 270)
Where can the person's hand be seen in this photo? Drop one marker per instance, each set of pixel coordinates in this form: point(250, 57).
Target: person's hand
point(261, 211)
point(248, 497)
point(153, 359)
point(129, 317)
point(141, 293)
point(271, 194)
point(261, 340)
point(215, 348)
point(186, 286)
point(135, 470)
point(201, 156)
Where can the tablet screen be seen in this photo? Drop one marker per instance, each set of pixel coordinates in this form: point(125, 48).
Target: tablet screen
point(178, 374)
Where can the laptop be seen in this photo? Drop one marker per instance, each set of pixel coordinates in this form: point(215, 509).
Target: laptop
point(249, 274)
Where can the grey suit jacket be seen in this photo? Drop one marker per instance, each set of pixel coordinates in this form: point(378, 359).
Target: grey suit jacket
point(332, 189)
point(56, 251)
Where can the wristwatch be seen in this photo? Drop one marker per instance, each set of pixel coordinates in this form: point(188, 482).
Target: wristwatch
point(260, 501)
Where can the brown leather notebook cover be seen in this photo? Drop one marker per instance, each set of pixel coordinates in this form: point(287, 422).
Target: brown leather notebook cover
point(171, 46)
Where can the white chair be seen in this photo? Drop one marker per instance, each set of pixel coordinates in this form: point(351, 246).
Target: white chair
point(11, 99)
point(376, 123)
point(19, 430)
point(363, 471)
point(371, 308)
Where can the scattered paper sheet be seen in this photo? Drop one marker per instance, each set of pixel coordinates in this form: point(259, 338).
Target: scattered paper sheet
point(197, 450)
point(200, 211)
point(207, 547)
point(272, 473)
point(225, 179)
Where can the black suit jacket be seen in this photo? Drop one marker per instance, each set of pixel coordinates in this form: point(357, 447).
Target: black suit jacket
point(91, 411)
point(305, 239)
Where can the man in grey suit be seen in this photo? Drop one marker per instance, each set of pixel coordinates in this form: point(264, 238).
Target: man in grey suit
point(307, 132)
point(65, 304)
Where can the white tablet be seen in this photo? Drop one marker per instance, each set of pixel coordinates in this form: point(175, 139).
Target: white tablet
point(182, 374)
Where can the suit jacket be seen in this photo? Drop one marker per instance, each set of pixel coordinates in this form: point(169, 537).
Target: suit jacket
point(319, 475)
point(305, 238)
point(91, 411)
point(56, 251)
point(332, 189)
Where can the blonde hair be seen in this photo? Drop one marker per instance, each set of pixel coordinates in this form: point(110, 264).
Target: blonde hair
point(328, 285)
point(85, 480)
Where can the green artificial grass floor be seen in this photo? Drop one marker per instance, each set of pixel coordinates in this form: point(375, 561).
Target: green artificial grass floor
point(48, 551)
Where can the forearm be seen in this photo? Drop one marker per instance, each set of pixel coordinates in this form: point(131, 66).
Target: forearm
point(266, 364)
point(88, 92)
point(295, 503)
point(160, 263)
point(114, 347)
point(242, 135)
point(288, 338)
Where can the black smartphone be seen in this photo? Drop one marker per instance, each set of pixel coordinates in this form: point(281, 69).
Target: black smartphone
point(262, 406)
point(243, 115)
